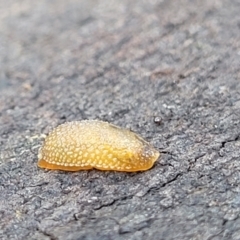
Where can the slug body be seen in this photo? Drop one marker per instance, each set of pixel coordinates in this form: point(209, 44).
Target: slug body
point(89, 144)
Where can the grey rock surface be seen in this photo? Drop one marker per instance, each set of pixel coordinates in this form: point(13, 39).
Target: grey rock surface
point(169, 70)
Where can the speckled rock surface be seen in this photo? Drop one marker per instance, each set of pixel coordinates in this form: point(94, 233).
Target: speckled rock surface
point(168, 70)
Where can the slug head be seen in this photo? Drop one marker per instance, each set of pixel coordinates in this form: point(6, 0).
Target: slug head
point(141, 155)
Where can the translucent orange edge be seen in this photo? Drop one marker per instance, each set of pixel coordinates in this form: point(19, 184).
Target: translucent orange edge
point(44, 164)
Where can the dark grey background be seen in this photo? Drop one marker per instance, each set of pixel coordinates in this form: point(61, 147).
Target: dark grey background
point(168, 70)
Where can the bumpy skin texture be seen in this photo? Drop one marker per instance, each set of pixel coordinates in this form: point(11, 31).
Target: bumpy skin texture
point(89, 144)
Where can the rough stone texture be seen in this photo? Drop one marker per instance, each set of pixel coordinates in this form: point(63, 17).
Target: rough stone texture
point(167, 69)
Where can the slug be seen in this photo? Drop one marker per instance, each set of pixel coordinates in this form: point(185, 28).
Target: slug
point(90, 144)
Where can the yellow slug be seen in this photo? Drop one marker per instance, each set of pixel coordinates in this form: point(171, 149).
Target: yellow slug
point(89, 144)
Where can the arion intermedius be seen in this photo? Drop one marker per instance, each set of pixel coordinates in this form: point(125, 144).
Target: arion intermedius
point(89, 144)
